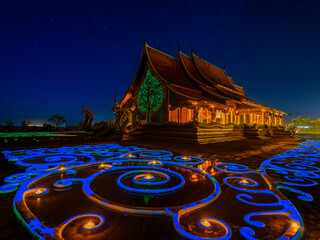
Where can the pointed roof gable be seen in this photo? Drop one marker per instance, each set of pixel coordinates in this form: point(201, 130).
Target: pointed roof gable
point(169, 70)
point(190, 70)
point(212, 73)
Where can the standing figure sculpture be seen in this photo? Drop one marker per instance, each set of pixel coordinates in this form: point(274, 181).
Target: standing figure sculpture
point(122, 116)
point(89, 117)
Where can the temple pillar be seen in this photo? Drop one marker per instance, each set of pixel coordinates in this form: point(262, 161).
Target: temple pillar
point(231, 119)
point(270, 120)
point(213, 114)
point(251, 118)
point(262, 117)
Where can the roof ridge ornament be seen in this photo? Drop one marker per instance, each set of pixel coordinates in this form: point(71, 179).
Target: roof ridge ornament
point(191, 48)
point(144, 38)
point(178, 46)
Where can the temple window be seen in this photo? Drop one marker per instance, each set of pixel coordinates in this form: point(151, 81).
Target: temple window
point(219, 117)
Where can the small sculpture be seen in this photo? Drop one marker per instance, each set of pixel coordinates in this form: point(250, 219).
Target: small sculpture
point(122, 116)
point(89, 117)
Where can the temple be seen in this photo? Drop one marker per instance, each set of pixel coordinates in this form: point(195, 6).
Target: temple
point(188, 89)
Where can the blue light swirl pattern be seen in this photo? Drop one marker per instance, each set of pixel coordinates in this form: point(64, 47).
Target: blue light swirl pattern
point(114, 182)
point(296, 168)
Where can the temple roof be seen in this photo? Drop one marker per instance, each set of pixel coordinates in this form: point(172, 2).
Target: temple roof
point(191, 77)
point(193, 74)
point(187, 62)
point(212, 73)
point(168, 68)
point(184, 77)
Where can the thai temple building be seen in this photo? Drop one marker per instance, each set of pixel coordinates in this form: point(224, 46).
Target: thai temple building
point(187, 89)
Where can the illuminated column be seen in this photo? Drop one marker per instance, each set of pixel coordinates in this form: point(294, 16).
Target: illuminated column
point(223, 118)
point(270, 121)
point(251, 118)
point(213, 114)
point(262, 117)
point(231, 119)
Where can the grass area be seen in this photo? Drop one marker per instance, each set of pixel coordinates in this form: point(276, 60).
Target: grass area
point(309, 131)
point(37, 134)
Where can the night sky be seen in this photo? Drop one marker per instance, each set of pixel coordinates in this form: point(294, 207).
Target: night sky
point(55, 55)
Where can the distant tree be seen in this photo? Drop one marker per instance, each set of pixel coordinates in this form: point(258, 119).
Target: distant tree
point(299, 121)
point(46, 127)
point(57, 119)
point(294, 122)
point(9, 125)
point(24, 124)
point(150, 95)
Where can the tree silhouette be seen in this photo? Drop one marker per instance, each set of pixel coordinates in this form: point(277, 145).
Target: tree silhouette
point(57, 119)
point(9, 125)
point(299, 121)
point(24, 124)
point(150, 95)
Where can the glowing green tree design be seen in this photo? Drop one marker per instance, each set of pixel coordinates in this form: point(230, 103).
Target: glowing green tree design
point(150, 95)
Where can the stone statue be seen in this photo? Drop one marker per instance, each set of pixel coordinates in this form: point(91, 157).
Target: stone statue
point(122, 116)
point(89, 117)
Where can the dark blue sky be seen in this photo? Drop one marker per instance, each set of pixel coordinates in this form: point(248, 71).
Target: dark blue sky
point(57, 54)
